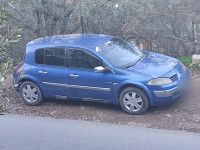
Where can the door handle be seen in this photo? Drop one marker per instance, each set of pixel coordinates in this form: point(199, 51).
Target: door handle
point(74, 75)
point(42, 72)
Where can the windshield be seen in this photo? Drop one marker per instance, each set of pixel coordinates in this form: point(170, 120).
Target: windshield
point(119, 53)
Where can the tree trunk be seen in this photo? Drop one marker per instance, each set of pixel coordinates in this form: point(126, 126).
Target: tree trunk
point(194, 35)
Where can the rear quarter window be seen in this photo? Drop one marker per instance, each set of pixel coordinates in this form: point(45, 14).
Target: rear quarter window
point(39, 56)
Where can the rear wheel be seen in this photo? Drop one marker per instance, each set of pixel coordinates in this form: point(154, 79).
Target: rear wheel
point(30, 93)
point(133, 101)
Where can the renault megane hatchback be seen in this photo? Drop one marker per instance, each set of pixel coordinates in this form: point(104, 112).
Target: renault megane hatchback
point(95, 67)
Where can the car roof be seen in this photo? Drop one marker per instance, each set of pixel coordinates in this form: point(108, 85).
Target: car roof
point(83, 40)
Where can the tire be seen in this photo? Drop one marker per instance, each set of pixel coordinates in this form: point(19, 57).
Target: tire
point(133, 101)
point(30, 93)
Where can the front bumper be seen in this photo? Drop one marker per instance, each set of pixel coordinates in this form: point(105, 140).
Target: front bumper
point(167, 93)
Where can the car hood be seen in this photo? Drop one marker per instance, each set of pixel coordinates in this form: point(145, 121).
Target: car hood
point(155, 65)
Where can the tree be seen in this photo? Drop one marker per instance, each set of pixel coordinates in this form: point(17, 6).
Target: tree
point(170, 27)
point(8, 37)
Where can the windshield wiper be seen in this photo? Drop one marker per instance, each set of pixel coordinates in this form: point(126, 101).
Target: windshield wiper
point(130, 66)
point(136, 62)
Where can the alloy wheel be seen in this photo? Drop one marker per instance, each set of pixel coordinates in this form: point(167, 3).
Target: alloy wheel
point(132, 101)
point(30, 93)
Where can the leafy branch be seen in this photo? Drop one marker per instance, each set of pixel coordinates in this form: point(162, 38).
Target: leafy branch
point(5, 107)
point(8, 37)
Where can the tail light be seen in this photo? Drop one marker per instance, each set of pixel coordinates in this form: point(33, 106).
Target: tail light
point(19, 68)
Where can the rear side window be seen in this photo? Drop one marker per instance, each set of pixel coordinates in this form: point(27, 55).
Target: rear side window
point(51, 56)
point(39, 56)
point(55, 56)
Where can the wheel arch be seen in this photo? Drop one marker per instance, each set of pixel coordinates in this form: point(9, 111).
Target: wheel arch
point(139, 86)
point(32, 79)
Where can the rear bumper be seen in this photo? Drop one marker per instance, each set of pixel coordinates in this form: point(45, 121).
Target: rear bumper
point(16, 85)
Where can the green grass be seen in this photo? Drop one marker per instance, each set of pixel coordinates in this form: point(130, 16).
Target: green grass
point(195, 66)
point(185, 60)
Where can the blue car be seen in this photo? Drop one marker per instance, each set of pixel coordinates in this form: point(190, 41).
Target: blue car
point(95, 67)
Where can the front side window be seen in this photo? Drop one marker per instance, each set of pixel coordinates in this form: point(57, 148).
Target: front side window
point(82, 60)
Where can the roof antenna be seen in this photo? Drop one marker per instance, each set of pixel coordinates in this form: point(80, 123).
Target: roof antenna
point(82, 25)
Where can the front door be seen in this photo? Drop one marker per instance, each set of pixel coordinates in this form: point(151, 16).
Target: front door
point(85, 83)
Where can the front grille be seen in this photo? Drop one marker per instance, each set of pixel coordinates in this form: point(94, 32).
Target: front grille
point(174, 78)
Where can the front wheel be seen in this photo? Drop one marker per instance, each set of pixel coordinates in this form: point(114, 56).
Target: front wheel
point(30, 93)
point(133, 101)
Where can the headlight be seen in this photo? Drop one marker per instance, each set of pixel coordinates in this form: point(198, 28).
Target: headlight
point(183, 67)
point(160, 81)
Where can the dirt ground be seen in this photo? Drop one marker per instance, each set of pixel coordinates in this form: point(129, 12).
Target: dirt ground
point(183, 114)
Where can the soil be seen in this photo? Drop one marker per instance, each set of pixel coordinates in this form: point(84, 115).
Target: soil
point(182, 114)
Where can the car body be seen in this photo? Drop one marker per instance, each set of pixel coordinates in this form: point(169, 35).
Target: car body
point(95, 67)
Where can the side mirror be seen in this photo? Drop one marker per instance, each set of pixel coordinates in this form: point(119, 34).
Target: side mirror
point(99, 69)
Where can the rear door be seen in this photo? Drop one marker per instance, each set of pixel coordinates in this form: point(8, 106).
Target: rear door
point(52, 72)
point(85, 83)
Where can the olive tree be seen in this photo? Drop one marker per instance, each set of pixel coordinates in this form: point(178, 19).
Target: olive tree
point(8, 37)
point(171, 27)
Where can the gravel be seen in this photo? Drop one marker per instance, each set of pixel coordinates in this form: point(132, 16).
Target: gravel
point(182, 114)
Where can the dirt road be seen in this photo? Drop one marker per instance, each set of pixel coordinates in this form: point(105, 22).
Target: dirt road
point(183, 114)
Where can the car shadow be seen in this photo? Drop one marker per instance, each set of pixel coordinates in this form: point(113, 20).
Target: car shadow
point(102, 106)
point(71, 102)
